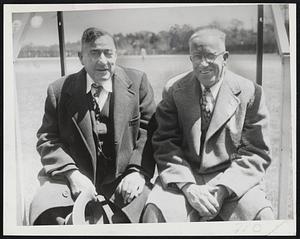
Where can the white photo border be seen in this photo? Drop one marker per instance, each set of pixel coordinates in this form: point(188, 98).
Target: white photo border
point(276, 227)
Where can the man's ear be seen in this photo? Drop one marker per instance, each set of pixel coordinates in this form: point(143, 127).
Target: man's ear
point(80, 58)
point(225, 55)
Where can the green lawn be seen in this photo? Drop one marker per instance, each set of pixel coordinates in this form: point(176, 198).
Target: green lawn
point(34, 75)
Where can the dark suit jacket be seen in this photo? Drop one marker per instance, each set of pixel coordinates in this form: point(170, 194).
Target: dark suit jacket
point(236, 143)
point(65, 139)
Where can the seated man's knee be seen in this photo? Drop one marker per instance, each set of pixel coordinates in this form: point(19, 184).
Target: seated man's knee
point(152, 214)
point(265, 214)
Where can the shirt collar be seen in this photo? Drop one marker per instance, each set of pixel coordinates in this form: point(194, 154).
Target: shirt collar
point(107, 85)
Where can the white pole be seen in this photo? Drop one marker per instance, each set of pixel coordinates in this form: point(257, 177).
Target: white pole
point(286, 123)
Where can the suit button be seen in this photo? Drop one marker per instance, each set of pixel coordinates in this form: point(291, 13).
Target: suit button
point(65, 193)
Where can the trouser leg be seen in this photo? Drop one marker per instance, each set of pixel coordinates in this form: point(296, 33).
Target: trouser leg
point(265, 214)
point(152, 214)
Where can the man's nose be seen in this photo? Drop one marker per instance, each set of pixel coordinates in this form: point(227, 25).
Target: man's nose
point(203, 62)
point(102, 58)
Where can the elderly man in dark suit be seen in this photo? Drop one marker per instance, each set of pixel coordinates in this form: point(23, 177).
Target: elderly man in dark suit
point(211, 145)
point(93, 135)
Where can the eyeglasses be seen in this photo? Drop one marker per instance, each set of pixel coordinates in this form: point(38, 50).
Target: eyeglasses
point(209, 57)
point(96, 53)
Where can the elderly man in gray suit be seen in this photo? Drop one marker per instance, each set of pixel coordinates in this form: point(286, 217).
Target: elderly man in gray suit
point(211, 145)
point(93, 136)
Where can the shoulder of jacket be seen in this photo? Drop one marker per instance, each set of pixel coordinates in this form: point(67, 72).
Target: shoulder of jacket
point(243, 82)
point(248, 87)
point(58, 84)
point(178, 80)
point(130, 71)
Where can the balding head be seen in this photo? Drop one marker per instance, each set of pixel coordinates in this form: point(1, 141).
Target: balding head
point(208, 55)
point(208, 37)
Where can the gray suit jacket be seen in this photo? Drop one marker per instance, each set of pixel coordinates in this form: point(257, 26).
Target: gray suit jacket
point(236, 143)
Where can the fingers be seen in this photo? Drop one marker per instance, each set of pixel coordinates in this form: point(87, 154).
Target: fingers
point(212, 189)
point(207, 209)
point(140, 189)
point(124, 189)
point(129, 190)
point(206, 218)
point(210, 203)
point(80, 183)
point(201, 198)
point(94, 194)
point(119, 188)
point(130, 197)
point(213, 201)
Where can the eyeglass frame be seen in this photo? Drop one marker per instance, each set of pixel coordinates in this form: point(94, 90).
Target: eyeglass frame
point(205, 58)
point(100, 51)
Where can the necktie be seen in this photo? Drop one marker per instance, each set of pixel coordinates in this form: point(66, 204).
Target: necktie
point(96, 89)
point(100, 128)
point(206, 103)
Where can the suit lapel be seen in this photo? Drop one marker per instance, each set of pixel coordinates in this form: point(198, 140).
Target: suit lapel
point(188, 96)
point(226, 104)
point(122, 95)
point(80, 113)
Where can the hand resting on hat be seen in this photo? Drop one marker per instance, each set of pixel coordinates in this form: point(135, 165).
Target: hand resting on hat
point(80, 183)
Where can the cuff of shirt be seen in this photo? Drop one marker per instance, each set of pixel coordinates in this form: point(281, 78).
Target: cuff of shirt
point(135, 168)
point(181, 185)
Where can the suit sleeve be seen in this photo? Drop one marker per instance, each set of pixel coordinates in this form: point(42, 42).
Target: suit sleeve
point(253, 156)
point(167, 140)
point(141, 160)
point(54, 155)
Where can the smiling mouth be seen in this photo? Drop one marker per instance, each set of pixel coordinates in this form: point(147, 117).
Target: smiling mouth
point(205, 71)
point(102, 69)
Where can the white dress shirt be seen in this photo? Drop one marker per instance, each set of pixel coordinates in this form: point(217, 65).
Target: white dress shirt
point(107, 87)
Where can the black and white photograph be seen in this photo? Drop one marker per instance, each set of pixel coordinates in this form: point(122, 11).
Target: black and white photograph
point(159, 119)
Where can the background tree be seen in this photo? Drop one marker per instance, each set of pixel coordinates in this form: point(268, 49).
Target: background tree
point(174, 41)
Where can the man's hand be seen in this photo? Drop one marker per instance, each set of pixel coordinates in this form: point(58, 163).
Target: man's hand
point(131, 186)
point(220, 194)
point(80, 183)
point(202, 199)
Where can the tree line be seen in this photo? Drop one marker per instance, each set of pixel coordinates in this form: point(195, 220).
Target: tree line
point(174, 41)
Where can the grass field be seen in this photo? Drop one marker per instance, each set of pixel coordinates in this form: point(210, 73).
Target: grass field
point(34, 75)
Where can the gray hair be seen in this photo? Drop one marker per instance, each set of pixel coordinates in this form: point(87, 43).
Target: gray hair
point(218, 34)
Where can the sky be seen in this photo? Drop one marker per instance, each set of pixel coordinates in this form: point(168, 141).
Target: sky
point(42, 29)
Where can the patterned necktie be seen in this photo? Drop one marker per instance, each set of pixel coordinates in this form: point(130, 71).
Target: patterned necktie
point(100, 128)
point(96, 89)
point(206, 103)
